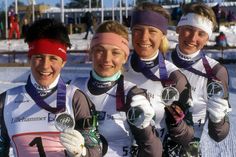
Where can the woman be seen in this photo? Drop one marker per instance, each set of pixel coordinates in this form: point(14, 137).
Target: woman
point(114, 97)
point(166, 86)
point(195, 28)
point(30, 113)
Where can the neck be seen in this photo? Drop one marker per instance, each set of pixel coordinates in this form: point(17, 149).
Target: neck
point(187, 57)
point(150, 59)
point(43, 88)
point(114, 77)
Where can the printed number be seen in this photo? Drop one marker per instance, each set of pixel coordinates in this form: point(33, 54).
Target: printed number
point(162, 132)
point(125, 150)
point(199, 122)
point(38, 142)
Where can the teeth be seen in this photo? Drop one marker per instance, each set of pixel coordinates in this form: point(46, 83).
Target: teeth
point(145, 45)
point(44, 73)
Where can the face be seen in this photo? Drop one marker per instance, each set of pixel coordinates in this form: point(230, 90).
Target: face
point(146, 40)
point(45, 68)
point(191, 39)
point(107, 59)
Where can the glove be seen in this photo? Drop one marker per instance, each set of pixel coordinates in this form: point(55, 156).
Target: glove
point(174, 114)
point(140, 103)
point(73, 141)
point(217, 108)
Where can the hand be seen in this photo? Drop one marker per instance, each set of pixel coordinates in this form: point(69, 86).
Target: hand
point(174, 114)
point(217, 108)
point(73, 141)
point(147, 112)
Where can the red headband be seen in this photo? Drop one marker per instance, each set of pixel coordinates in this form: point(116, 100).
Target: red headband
point(47, 46)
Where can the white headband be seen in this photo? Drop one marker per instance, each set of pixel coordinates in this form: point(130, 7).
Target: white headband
point(198, 21)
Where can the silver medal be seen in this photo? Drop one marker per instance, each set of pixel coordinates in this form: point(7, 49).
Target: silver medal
point(169, 95)
point(64, 121)
point(135, 116)
point(215, 89)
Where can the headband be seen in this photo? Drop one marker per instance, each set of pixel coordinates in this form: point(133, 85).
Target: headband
point(150, 18)
point(112, 39)
point(47, 46)
point(198, 21)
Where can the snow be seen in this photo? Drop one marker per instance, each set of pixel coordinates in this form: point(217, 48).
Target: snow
point(14, 76)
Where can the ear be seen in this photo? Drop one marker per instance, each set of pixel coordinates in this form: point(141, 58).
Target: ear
point(63, 64)
point(90, 54)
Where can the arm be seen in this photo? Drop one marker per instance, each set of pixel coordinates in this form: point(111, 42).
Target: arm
point(4, 138)
point(180, 126)
point(148, 142)
point(219, 125)
point(84, 139)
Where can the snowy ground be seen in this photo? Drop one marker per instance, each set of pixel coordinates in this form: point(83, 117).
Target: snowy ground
point(14, 76)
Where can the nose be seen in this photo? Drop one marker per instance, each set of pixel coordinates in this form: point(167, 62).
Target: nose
point(145, 35)
point(45, 63)
point(107, 56)
point(193, 36)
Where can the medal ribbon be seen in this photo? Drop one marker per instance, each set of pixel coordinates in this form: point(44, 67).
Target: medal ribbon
point(120, 95)
point(148, 73)
point(187, 65)
point(61, 97)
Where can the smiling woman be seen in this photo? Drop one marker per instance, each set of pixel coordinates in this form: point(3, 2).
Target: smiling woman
point(113, 96)
point(47, 96)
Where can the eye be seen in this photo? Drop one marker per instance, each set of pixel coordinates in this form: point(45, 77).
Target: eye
point(38, 57)
point(117, 52)
point(202, 34)
point(137, 30)
point(98, 50)
point(54, 58)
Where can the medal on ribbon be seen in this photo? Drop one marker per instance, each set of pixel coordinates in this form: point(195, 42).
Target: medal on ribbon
point(64, 121)
point(215, 89)
point(169, 95)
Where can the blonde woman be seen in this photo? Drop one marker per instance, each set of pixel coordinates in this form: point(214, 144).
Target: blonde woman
point(115, 98)
point(167, 87)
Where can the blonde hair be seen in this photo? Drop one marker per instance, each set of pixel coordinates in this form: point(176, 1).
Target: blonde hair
point(200, 9)
point(147, 6)
point(113, 27)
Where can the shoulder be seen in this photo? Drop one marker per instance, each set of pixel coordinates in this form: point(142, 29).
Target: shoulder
point(211, 61)
point(79, 82)
point(170, 66)
point(16, 90)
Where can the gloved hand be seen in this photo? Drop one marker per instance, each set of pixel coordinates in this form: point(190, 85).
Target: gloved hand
point(73, 141)
point(217, 108)
point(141, 103)
point(174, 114)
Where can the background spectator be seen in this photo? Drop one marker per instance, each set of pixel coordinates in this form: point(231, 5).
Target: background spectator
point(25, 27)
point(89, 23)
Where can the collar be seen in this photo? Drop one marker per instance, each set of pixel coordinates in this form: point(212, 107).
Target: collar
point(45, 89)
point(190, 57)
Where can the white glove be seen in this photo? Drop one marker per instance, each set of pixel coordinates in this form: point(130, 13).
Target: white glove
point(147, 114)
point(217, 108)
point(73, 141)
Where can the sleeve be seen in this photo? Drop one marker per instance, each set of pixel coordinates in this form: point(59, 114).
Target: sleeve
point(183, 132)
point(147, 139)
point(85, 119)
point(4, 138)
point(218, 131)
